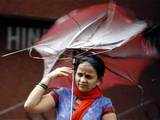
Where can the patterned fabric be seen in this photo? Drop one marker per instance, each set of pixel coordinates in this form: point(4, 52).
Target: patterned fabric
point(99, 107)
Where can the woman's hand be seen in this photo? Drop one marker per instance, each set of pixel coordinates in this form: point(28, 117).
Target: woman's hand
point(61, 71)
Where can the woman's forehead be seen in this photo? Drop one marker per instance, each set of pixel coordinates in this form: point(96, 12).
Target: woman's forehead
point(86, 67)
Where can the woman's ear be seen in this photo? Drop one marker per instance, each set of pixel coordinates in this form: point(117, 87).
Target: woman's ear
point(99, 82)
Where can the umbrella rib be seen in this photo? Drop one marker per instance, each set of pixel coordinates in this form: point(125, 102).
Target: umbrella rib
point(79, 25)
point(101, 16)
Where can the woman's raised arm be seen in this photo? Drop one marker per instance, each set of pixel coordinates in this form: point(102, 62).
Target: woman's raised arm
point(37, 101)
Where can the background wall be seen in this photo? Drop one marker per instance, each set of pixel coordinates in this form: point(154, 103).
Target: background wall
point(51, 9)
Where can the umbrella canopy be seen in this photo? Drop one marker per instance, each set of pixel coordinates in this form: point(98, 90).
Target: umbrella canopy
point(104, 26)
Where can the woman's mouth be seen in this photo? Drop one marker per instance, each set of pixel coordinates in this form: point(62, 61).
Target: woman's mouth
point(82, 85)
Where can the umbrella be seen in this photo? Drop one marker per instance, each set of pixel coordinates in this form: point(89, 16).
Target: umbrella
point(104, 26)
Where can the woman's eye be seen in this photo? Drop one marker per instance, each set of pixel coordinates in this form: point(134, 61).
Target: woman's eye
point(88, 77)
point(80, 74)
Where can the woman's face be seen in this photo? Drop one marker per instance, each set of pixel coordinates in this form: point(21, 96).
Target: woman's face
point(86, 77)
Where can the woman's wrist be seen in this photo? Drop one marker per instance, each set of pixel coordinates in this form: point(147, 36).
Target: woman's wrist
point(45, 80)
point(42, 85)
point(50, 76)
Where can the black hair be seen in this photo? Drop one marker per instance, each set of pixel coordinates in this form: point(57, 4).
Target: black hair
point(95, 61)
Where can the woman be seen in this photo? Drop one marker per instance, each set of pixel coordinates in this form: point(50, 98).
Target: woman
point(88, 102)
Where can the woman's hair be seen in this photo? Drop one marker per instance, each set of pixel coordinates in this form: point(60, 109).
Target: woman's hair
point(95, 61)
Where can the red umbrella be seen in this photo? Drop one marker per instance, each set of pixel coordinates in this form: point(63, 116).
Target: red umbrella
point(104, 26)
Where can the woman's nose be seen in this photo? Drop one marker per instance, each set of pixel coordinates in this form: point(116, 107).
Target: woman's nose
point(82, 79)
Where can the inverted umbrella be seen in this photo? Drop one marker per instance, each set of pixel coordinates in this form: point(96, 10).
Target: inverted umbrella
point(104, 26)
